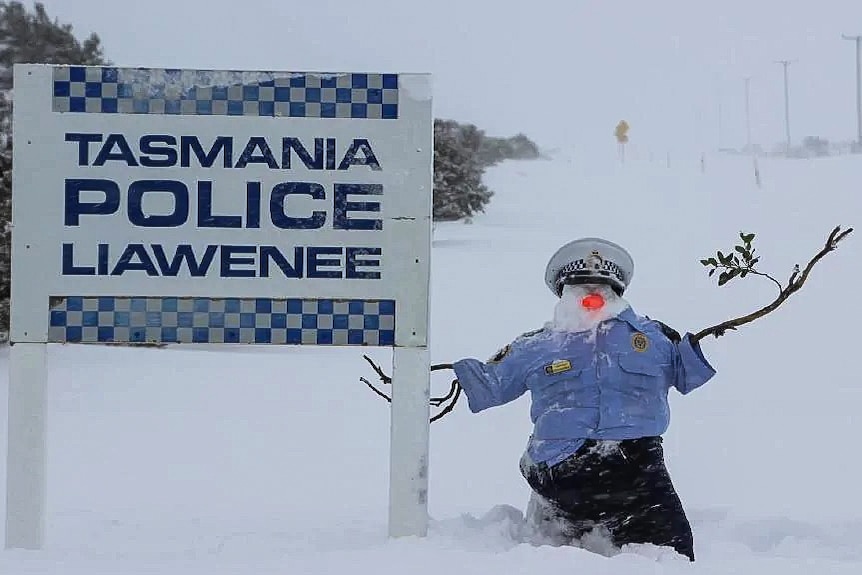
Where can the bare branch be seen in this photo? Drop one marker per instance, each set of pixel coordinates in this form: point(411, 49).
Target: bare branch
point(767, 276)
point(451, 406)
point(453, 394)
point(438, 401)
point(375, 390)
point(385, 378)
point(794, 284)
point(793, 275)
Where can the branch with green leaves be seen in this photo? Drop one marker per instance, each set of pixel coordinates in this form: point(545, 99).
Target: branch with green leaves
point(742, 260)
point(738, 263)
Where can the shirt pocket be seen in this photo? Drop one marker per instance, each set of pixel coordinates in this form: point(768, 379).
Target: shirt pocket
point(641, 373)
point(640, 364)
point(551, 374)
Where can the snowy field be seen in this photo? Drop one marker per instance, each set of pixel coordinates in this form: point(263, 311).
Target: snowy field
point(256, 461)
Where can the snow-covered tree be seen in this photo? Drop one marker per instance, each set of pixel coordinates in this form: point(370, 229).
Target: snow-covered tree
point(458, 188)
point(461, 154)
point(495, 150)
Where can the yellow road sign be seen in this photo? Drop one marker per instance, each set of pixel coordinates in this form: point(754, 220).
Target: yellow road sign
point(621, 132)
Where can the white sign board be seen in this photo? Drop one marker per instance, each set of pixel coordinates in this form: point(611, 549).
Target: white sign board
point(197, 206)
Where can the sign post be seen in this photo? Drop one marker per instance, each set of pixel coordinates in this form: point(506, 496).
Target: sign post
point(201, 206)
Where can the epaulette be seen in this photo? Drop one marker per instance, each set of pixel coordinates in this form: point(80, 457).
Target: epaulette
point(498, 357)
point(531, 333)
point(669, 332)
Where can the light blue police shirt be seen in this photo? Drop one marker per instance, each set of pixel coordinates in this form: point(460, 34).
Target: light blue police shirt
point(608, 383)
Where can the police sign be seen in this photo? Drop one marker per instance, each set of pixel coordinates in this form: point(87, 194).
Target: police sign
point(201, 206)
point(204, 206)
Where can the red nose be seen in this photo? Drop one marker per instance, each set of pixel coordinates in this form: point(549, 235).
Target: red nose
point(593, 301)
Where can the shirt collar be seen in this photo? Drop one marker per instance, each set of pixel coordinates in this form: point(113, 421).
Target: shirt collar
point(630, 317)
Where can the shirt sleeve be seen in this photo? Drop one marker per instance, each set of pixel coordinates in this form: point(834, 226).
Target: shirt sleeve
point(492, 383)
point(692, 368)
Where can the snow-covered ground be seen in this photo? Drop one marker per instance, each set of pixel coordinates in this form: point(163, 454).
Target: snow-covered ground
point(252, 460)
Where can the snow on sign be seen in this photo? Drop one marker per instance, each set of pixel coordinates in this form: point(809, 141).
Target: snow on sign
point(226, 207)
point(200, 206)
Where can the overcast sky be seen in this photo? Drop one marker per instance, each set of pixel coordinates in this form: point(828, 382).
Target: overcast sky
point(564, 72)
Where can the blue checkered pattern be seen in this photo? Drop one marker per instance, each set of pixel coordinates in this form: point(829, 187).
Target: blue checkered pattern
point(108, 90)
point(77, 319)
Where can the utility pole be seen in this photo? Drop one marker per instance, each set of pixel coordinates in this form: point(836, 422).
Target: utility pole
point(786, 63)
point(748, 114)
point(858, 40)
point(748, 147)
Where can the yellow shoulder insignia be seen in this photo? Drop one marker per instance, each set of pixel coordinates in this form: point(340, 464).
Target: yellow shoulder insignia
point(498, 357)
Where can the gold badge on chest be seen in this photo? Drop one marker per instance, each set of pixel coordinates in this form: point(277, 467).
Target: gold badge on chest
point(640, 343)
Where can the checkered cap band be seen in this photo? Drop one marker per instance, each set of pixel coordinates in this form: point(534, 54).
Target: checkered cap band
point(76, 319)
point(110, 90)
point(607, 269)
